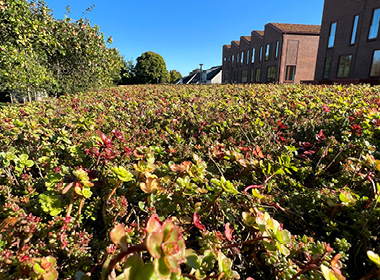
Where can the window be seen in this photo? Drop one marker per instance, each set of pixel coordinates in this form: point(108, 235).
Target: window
point(277, 49)
point(271, 74)
point(374, 28)
point(290, 73)
point(242, 58)
point(261, 54)
point(327, 69)
point(267, 51)
point(252, 76)
point(344, 66)
point(375, 68)
point(332, 35)
point(233, 58)
point(247, 58)
point(354, 30)
point(253, 55)
point(258, 75)
point(244, 76)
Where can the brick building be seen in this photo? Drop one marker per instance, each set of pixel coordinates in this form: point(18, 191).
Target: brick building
point(349, 49)
point(282, 53)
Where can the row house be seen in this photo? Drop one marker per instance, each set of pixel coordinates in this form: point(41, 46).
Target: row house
point(282, 53)
point(349, 49)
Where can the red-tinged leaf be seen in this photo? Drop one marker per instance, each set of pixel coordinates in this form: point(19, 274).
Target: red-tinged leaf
point(258, 152)
point(67, 188)
point(197, 222)
point(321, 135)
point(154, 224)
point(153, 243)
point(228, 232)
point(118, 236)
point(170, 248)
point(326, 108)
point(261, 187)
point(181, 168)
point(172, 264)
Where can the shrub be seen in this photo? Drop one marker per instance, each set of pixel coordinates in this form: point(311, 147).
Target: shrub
point(192, 182)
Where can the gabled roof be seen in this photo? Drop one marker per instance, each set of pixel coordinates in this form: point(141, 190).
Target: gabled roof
point(213, 72)
point(227, 46)
point(297, 28)
point(248, 38)
point(236, 43)
point(258, 32)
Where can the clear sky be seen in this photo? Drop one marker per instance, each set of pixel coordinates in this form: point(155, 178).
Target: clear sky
point(185, 33)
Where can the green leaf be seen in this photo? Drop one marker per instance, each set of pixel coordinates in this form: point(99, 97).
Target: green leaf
point(153, 243)
point(51, 203)
point(122, 173)
point(374, 257)
point(86, 192)
point(328, 273)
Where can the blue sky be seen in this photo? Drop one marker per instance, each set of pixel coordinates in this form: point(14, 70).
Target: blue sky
point(185, 33)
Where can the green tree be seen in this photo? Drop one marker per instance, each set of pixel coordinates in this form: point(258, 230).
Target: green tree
point(39, 54)
point(174, 76)
point(151, 69)
point(127, 75)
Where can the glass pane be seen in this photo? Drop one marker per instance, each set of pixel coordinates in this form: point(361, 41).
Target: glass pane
point(267, 47)
point(290, 73)
point(374, 29)
point(344, 66)
point(332, 35)
point(253, 55)
point(354, 30)
point(277, 48)
point(261, 54)
point(258, 75)
point(326, 73)
point(375, 69)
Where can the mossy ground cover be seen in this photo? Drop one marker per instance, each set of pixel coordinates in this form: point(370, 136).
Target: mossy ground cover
point(192, 182)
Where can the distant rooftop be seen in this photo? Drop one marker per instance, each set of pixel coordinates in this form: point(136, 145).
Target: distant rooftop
point(259, 32)
point(297, 28)
point(248, 38)
point(236, 42)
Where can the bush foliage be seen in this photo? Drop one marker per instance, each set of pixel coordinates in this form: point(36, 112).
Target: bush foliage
point(190, 182)
point(39, 54)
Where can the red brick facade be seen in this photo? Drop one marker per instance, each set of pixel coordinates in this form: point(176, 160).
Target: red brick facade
point(282, 53)
point(349, 55)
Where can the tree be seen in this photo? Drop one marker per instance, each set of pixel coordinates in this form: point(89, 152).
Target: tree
point(174, 76)
point(39, 54)
point(151, 69)
point(127, 75)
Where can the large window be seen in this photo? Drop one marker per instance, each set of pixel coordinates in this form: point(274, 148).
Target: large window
point(247, 58)
point(242, 58)
point(327, 68)
point(332, 35)
point(344, 66)
point(233, 58)
point(354, 30)
point(261, 54)
point(253, 55)
point(290, 73)
point(258, 75)
point(277, 49)
point(267, 52)
point(374, 29)
point(271, 74)
point(375, 68)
